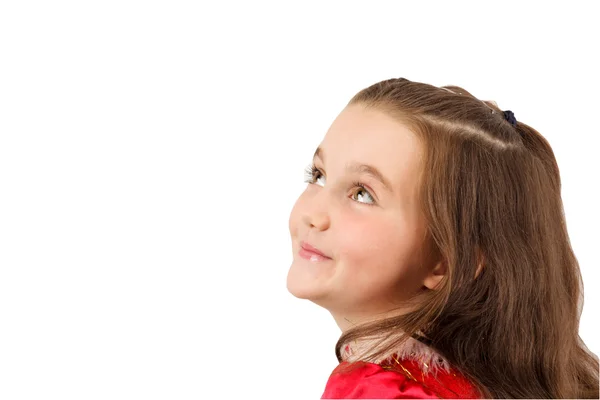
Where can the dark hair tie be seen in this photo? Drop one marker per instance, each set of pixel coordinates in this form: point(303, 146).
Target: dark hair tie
point(510, 117)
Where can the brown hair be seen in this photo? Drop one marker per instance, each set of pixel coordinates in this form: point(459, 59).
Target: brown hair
point(491, 198)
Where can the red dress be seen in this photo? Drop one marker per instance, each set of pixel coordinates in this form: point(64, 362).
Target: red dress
point(403, 375)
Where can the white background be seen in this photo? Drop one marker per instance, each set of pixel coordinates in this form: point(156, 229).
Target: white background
point(151, 152)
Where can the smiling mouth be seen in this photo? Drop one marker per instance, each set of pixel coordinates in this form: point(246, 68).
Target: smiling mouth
point(311, 256)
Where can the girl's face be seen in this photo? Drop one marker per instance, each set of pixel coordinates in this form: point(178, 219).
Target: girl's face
point(372, 235)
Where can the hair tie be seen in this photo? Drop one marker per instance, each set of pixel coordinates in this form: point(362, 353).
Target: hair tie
point(510, 117)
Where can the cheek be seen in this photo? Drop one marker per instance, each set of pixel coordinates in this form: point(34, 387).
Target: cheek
point(373, 251)
point(377, 253)
point(369, 238)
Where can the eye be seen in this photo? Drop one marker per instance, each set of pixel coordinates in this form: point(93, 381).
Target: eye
point(364, 190)
point(312, 175)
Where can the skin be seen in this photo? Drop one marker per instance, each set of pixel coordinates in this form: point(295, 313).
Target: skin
point(374, 242)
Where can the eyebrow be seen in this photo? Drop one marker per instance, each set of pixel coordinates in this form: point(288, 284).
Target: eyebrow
point(360, 169)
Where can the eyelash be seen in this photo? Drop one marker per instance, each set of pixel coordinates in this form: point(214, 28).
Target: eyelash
point(309, 177)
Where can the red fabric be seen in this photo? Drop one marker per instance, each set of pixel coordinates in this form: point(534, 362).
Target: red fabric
point(398, 380)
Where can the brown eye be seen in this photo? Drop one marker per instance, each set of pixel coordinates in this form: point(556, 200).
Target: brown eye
point(312, 174)
point(363, 189)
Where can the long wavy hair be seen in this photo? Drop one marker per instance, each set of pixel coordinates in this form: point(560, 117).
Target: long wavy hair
point(507, 312)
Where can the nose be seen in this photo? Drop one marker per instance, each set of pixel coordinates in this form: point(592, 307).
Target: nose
point(319, 221)
point(315, 214)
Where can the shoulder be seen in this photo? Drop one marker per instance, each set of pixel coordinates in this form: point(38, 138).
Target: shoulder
point(365, 380)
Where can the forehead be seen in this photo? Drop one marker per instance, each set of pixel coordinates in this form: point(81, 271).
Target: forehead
point(373, 137)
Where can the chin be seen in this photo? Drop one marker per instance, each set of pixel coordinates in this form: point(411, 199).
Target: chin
point(301, 285)
point(296, 288)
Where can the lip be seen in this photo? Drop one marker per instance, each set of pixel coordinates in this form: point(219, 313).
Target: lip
point(312, 253)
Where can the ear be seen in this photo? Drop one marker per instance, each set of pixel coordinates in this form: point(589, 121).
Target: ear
point(435, 276)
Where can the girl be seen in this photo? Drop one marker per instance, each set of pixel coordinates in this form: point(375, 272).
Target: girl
point(432, 229)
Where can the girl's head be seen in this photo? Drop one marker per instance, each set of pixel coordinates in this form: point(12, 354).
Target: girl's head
point(441, 219)
point(361, 209)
